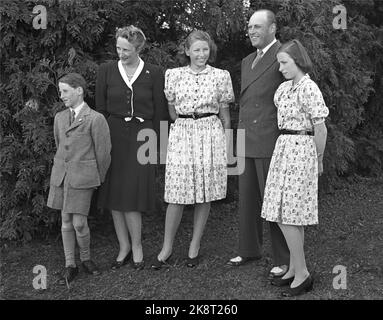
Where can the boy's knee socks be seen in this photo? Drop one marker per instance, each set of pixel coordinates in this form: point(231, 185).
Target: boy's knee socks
point(69, 243)
point(83, 240)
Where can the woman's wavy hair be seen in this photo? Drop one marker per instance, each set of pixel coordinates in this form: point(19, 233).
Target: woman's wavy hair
point(134, 35)
point(190, 39)
point(298, 53)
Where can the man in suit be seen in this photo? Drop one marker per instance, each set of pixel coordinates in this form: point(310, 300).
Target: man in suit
point(80, 164)
point(258, 116)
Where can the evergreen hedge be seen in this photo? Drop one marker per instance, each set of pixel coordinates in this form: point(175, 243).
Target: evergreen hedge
point(80, 35)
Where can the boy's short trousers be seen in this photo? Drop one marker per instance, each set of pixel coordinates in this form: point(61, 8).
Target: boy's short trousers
point(69, 200)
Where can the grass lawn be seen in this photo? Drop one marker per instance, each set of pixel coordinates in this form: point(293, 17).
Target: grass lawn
point(349, 234)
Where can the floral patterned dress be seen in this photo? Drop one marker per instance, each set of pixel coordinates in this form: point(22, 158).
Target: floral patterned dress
point(291, 192)
point(196, 156)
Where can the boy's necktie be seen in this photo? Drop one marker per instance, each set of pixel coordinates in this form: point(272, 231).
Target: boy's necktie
point(72, 116)
point(257, 58)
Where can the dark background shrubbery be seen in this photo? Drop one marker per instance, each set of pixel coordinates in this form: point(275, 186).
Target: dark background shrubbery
point(80, 35)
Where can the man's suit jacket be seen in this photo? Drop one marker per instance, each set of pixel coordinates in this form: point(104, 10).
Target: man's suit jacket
point(83, 149)
point(257, 113)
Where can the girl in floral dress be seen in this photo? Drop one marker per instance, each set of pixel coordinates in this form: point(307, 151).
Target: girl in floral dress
point(291, 192)
point(198, 97)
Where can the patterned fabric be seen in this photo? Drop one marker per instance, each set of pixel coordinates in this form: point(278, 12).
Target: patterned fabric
point(291, 193)
point(196, 156)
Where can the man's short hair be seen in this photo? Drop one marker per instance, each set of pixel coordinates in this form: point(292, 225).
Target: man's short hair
point(270, 16)
point(74, 80)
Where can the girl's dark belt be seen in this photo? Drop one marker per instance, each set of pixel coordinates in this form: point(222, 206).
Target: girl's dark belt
point(196, 115)
point(298, 132)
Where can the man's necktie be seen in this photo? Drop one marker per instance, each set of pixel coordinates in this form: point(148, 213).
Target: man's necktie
point(257, 58)
point(72, 116)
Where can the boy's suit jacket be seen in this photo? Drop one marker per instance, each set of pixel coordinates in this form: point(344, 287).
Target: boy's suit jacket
point(257, 113)
point(83, 149)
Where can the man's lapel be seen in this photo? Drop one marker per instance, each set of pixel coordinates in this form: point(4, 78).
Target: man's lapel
point(247, 73)
point(251, 75)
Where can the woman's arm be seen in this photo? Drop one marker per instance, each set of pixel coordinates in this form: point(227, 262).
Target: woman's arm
point(100, 95)
point(172, 112)
point(224, 116)
point(320, 137)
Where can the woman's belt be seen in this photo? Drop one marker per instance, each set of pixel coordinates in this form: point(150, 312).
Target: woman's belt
point(196, 115)
point(298, 132)
point(127, 118)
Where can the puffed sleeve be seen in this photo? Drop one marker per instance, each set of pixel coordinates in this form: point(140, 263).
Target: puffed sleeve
point(279, 94)
point(170, 83)
point(225, 89)
point(313, 102)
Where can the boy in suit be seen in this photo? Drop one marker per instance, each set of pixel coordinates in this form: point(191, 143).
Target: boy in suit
point(80, 164)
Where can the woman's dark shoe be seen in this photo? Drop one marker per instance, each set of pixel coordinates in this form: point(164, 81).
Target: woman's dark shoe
point(279, 282)
point(305, 286)
point(157, 264)
point(139, 265)
point(192, 262)
point(118, 264)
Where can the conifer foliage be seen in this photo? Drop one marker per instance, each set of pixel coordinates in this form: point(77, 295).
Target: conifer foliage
point(79, 35)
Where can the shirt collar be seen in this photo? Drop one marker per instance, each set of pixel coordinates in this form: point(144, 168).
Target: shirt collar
point(77, 109)
point(204, 71)
point(300, 82)
point(265, 49)
point(136, 73)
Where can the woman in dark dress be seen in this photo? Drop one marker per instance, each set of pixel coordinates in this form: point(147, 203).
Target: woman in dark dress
point(130, 94)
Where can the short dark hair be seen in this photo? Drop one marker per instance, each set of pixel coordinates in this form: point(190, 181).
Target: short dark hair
point(74, 80)
point(192, 37)
point(298, 53)
point(134, 35)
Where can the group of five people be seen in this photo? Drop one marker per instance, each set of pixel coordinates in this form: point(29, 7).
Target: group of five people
point(285, 138)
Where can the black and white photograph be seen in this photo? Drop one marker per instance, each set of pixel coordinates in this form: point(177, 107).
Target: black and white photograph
point(192, 156)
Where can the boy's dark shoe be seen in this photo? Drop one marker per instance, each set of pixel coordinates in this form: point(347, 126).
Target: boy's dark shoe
point(90, 267)
point(68, 275)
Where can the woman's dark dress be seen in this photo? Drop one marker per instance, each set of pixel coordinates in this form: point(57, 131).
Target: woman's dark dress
point(129, 185)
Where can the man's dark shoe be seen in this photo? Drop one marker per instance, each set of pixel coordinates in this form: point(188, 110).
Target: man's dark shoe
point(277, 272)
point(68, 275)
point(90, 267)
point(239, 261)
